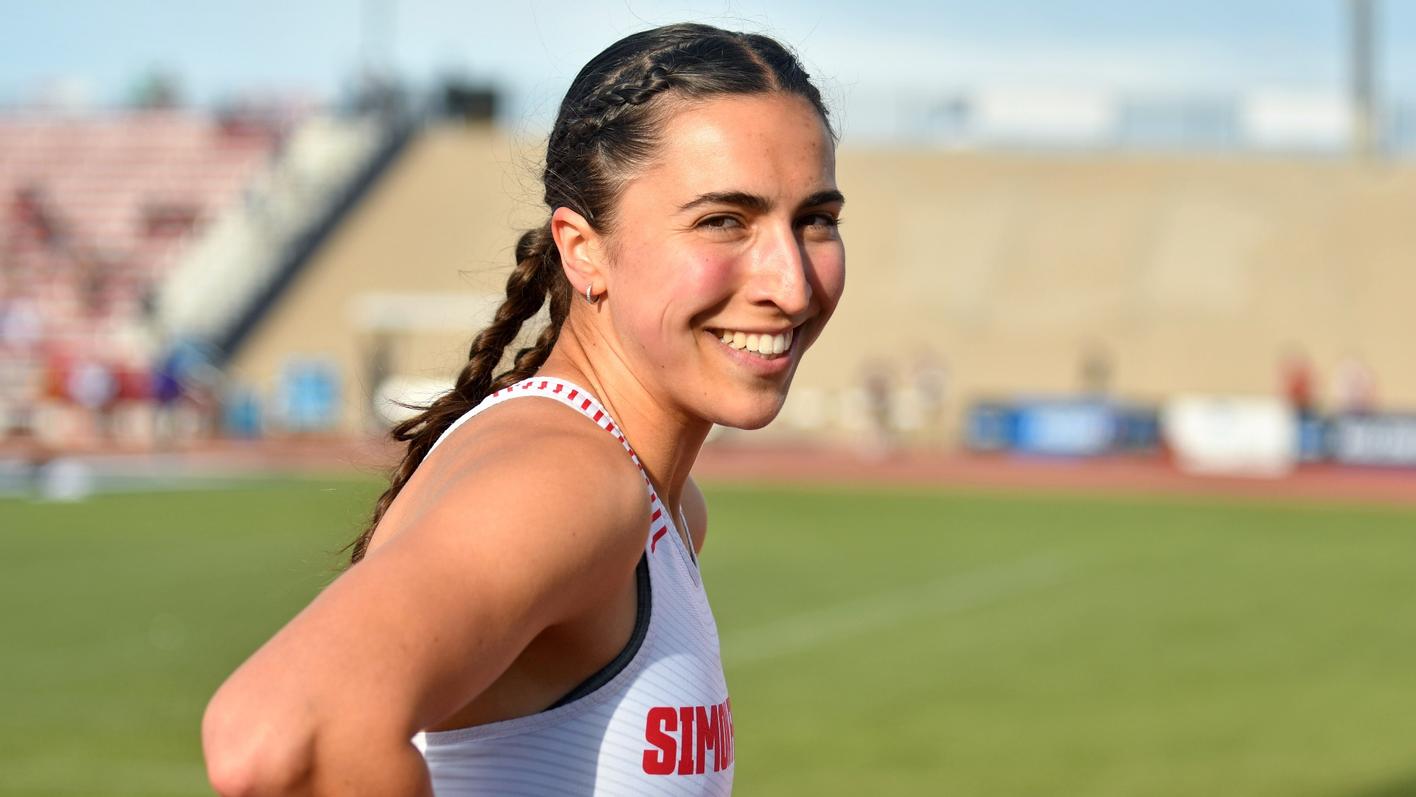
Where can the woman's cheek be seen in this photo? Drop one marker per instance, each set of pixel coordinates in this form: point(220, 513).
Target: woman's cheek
point(709, 278)
point(831, 275)
point(840, 274)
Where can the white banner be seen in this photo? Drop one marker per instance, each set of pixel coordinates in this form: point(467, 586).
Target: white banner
point(1231, 435)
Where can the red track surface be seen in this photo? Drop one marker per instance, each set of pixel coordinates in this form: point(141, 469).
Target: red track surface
point(1113, 475)
point(736, 462)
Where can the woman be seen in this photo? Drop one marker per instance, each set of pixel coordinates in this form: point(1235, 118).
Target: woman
point(519, 619)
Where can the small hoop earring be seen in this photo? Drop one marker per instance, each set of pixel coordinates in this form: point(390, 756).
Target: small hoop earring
point(590, 297)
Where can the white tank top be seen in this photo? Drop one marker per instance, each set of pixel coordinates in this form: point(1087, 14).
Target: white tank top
point(655, 721)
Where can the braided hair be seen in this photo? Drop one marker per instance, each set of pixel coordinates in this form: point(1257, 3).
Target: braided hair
point(606, 129)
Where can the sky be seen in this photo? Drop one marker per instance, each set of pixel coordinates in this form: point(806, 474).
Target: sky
point(531, 48)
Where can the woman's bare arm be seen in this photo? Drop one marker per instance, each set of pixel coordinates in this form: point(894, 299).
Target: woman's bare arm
point(515, 544)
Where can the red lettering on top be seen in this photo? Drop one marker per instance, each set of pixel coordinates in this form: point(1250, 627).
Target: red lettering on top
point(658, 723)
point(706, 720)
point(720, 749)
point(700, 729)
point(685, 766)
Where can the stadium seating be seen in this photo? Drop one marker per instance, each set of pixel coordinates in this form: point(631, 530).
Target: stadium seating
point(122, 192)
point(213, 281)
point(95, 212)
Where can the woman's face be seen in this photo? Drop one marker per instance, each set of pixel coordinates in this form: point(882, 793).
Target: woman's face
point(730, 233)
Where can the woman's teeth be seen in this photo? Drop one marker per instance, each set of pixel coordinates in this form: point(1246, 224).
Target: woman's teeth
point(766, 345)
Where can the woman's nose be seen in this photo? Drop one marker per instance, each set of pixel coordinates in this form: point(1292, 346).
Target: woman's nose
point(781, 277)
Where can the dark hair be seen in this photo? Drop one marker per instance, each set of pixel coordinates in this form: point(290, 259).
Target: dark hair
point(606, 128)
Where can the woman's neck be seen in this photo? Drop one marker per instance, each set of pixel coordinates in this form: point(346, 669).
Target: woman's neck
point(666, 440)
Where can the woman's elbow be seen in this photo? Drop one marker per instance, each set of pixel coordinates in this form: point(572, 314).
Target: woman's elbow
point(249, 753)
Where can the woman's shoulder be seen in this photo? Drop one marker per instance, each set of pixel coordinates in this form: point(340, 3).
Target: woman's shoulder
point(543, 430)
point(538, 457)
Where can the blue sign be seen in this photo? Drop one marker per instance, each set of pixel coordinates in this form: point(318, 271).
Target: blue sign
point(1388, 440)
point(309, 396)
point(1065, 428)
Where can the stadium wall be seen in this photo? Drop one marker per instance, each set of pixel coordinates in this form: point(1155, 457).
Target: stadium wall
point(1190, 273)
point(438, 226)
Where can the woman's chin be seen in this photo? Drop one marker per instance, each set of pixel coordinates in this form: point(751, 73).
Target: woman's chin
point(750, 414)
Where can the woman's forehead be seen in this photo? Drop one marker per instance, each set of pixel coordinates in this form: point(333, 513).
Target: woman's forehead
point(770, 144)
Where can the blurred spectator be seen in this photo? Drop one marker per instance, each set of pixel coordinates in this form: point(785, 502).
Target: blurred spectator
point(30, 216)
point(93, 276)
point(166, 391)
point(185, 388)
point(20, 325)
point(878, 389)
point(93, 386)
point(931, 382)
point(1354, 386)
point(1298, 382)
point(1096, 371)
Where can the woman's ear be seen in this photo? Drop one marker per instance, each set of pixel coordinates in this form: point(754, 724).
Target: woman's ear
point(580, 250)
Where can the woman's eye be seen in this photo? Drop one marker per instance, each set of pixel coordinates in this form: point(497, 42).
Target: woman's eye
point(821, 221)
point(720, 223)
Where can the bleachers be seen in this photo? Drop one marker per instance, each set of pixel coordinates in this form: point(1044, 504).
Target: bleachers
point(120, 195)
point(93, 213)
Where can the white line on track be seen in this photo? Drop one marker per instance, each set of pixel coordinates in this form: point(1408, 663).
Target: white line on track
point(951, 594)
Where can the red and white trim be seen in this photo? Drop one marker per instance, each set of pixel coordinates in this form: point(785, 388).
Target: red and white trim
point(577, 398)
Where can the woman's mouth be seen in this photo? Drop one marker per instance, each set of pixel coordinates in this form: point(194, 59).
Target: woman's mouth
point(763, 345)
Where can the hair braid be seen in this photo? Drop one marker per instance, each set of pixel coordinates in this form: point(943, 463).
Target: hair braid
point(627, 93)
point(601, 110)
point(537, 273)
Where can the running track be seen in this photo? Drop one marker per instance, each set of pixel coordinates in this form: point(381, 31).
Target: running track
point(743, 462)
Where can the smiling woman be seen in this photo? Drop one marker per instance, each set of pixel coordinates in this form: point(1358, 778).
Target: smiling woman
point(752, 250)
point(509, 623)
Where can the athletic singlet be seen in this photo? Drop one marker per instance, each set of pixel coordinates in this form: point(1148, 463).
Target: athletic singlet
point(655, 721)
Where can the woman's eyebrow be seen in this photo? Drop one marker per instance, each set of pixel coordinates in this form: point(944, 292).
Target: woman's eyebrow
point(757, 203)
point(753, 202)
point(825, 198)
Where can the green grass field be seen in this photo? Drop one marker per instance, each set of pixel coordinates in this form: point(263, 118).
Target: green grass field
point(877, 642)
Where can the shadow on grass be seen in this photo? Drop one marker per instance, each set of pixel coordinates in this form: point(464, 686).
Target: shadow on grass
point(1403, 786)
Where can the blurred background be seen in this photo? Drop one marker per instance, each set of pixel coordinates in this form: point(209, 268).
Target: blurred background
point(1102, 480)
